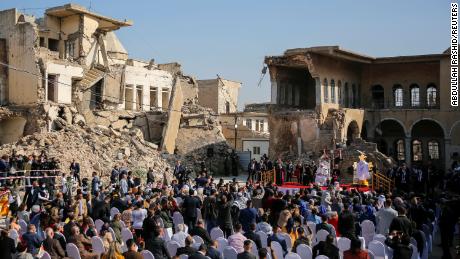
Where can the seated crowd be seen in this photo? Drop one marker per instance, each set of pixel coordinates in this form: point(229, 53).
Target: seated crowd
point(202, 218)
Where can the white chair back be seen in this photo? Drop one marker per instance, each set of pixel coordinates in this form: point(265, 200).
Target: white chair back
point(343, 244)
point(379, 237)
point(14, 235)
point(72, 251)
point(378, 249)
point(277, 249)
point(98, 224)
point(113, 212)
point(126, 234)
point(23, 224)
point(321, 257)
point(367, 230)
point(98, 245)
point(363, 242)
point(198, 239)
point(222, 244)
point(415, 254)
point(288, 240)
point(263, 238)
point(321, 235)
point(147, 254)
point(179, 201)
point(178, 218)
point(413, 242)
point(425, 251)
point(254, 250)
point(113, 234)
point(216, 233)
point(230, 253)
point(45, 255)
point(172, 246)
point(168, 233)
point(160, 222)
point(304, 251)
point(122, 223)
point(198, 214)
point(292, 255)
point(183, 256)
point(312, 226)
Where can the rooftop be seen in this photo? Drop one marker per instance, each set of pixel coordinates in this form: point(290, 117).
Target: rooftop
point(109, 24)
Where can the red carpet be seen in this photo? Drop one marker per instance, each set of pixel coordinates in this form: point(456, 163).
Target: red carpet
point(295, 185)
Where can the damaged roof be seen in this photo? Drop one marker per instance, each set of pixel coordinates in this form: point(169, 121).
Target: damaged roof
point(72, 9)
point(341, 53)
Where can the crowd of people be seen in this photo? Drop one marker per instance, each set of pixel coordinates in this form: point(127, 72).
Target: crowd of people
point(58, 215)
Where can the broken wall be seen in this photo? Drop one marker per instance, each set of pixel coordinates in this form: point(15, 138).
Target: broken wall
point(170, 131)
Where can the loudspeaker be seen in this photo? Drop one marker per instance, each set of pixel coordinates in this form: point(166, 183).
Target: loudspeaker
point(210, 152)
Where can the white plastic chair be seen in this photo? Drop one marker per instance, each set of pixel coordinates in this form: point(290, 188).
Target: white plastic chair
point(222, 244)
point(277, 249)
point(178, 218)
point(343, 244)
point(363, 242)
point(292, 255)
point(113, 212)
point(72, 251)
point(288, 240)
point(126, 234)
point(304, 251)
point(254, 250)
point(160, 222)
point(263, 238)
point(425, 251)
point(230, 253)
point(183, 256)
point(98, 224)
point(147, 254)
point(179, 201)
point(379, 237)
point(198, 214)
point(312, 226)
point(23, 226)
point(14, 235)
point(415, 253)
point(172, 246)
point(321, 257)
point(367, 230)
point(113, 233)
point(98, 245)
point(198, 239)
point(321, 236)
point(168, 233)
point(216, 233)
point(45, 255)
point(378, 249)
point(122, 223)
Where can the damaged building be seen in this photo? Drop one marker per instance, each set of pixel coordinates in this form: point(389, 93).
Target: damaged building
point(327, 97)
point(71, 57)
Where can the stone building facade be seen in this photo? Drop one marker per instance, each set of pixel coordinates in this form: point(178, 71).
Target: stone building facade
point(221, 95)
point(71, 57)
point(327, 97)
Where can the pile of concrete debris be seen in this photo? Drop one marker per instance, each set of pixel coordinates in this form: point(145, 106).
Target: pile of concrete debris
point(96, 148)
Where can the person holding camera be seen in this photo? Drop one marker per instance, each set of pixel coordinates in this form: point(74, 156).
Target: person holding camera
point(399, 241)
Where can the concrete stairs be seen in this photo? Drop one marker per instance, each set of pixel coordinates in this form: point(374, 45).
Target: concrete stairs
point(91, 77)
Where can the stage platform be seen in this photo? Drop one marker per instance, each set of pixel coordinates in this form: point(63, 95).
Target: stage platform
point(293, 186)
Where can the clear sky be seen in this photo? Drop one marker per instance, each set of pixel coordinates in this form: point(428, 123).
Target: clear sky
point(231, 38)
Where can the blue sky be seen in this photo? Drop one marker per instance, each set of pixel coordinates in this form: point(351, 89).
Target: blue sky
point(231, 38)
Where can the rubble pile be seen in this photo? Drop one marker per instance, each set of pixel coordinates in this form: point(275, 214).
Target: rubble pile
point(97, 148)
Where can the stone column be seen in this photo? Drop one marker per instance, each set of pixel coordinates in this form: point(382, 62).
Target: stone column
point(407, 150)
point(274, 84)
point(159, 97)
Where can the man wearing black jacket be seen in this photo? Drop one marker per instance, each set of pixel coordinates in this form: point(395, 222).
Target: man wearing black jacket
point(101, 210)
point(251, 234)
point(191, 203)
point(199, 230)
point(401, 223)
point(156, 245)
point(187, 249)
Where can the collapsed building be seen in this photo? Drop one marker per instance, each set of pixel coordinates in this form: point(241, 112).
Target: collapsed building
point(395, 109)
point(68, 68)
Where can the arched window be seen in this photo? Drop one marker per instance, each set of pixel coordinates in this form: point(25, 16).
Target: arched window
point(414, 95)
point(332, 91)
point(326, 91)
point(400, 152)
point(398, 95)
point(346, 102)
point(417, 154)
point(339, 92)
point(353, 95)
point(433, 150)
point(431, 96)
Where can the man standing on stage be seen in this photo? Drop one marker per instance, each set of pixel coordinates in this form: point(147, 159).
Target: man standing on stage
point(279, 171)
